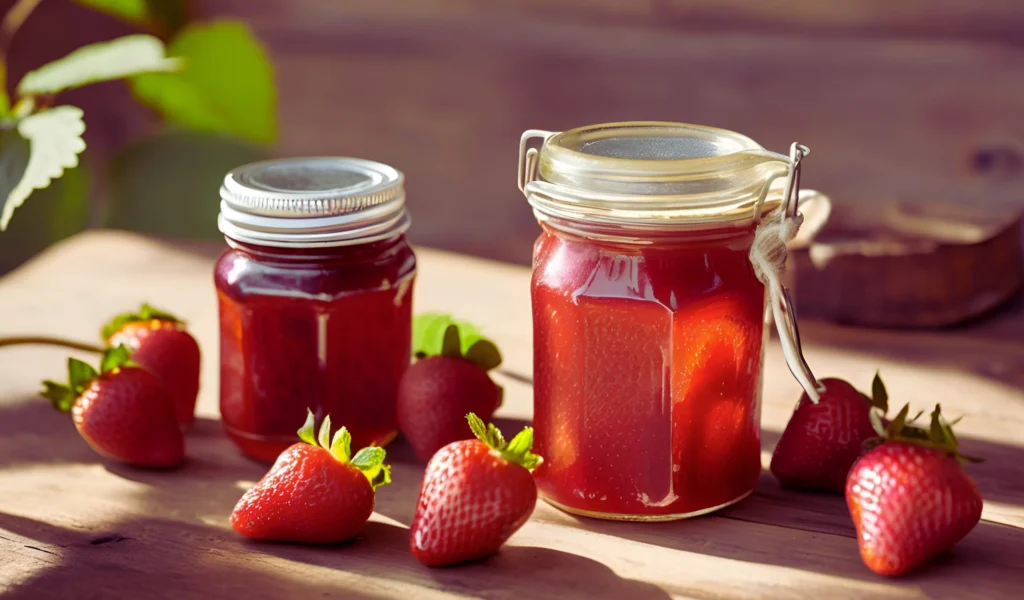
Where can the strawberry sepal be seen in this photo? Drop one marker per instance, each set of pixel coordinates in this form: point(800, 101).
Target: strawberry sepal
point(81, 375)
point(517, 451)
point(369, 460)
point(938, 435)
point(437, 334)
point(145, 313)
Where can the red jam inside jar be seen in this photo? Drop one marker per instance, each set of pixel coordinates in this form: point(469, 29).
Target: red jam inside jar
point(648, 318)
point(315, 299)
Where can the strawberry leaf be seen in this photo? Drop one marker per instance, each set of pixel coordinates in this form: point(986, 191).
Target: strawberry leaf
point(879, 395)
point(516, 451)
point(325, 433)
point(80, 375)
point(432, 335)
point(307, 432)
point(484, 354)
point(145, 313)
point(60, 395)
point(370, 461)
point(114, 358)
point(450, 345)
point(341, 446)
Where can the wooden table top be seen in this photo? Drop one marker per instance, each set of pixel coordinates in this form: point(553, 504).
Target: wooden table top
point(75, 526)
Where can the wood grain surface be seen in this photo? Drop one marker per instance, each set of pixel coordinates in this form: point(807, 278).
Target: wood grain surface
point(75, 526)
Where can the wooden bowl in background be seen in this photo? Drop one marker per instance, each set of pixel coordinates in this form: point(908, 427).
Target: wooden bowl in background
point(906, 265)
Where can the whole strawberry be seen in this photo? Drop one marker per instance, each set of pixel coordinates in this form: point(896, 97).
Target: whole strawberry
point(160, 342)
point(122, 411)
point(448, 380)
point(822, 440)
point(475, 495)
point(314, 493)
point(909, 497)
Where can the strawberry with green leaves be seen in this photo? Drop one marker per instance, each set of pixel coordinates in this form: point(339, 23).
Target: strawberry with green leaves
point(448, 380)
point(823, 439)
point(316, 492)
point(909, 497)
point(475, 495)
point(161, 343)
point(122, 411)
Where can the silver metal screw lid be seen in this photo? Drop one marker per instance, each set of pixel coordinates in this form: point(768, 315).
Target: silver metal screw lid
point(313, 202)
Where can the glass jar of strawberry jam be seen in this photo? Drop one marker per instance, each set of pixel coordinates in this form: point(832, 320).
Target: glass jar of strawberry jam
point(315, 298)
point(649, 313)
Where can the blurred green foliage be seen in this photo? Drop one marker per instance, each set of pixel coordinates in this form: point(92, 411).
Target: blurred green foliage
point(212, 83)
point(227, 87)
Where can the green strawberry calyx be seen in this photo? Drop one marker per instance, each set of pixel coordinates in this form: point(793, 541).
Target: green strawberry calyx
point(517, 450)
point(81, 375)
point(145, 313)
point(439, 334)
point(879, 395)
point(369, 460)
point(938, 435)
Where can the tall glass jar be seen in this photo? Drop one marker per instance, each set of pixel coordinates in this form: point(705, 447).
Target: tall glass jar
point(315, 298)
point(648, 316)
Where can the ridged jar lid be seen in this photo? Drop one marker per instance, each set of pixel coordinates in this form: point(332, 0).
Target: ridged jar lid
point(313, 201)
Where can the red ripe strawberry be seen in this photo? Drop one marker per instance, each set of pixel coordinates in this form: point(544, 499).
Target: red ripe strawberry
point(123, 411)
point(909, 497)
point(160, 343)
point(475, 495)
point(448, 381)
point(314, 493)
point(822, 440)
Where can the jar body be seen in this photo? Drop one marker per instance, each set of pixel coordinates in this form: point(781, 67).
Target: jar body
point(327, 329)
point(647, 373)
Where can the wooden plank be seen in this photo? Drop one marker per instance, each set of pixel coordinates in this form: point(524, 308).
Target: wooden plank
point(63, 512)
point(985, 20)
point(446, 90)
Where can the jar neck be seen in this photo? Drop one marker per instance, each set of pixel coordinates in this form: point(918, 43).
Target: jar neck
point(369, 251)
point(637, 238)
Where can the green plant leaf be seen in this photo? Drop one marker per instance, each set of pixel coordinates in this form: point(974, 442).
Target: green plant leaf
point(307, 432)
point(450, 345)
point(163, 17)
point(59, 394)
point(341, 445)
point(114, 358)
point(80, 373)
point(879, 395)
point(102, 61)
point(5, 103)
point(228, 86)
point(484, 354)
point(370, 461)
point(55, 140)
point(145, 313)
point(325, 433)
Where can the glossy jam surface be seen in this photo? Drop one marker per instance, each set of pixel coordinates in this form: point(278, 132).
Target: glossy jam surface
point(327, 329)
point(647, 367)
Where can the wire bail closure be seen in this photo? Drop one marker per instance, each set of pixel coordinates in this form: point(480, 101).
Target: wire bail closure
point(768, 256)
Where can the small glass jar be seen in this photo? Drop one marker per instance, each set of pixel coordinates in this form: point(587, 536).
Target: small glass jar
point(648, 316)
point(315, 299)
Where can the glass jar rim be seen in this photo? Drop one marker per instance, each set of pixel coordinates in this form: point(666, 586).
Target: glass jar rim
point(652, 175)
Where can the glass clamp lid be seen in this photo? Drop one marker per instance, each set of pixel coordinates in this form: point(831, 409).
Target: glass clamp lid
point(311, 202)
point(650, 174)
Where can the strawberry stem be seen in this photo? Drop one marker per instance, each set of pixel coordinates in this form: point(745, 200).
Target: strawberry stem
point(44, 340)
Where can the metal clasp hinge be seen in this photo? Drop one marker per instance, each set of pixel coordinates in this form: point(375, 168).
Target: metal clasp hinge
point(528, 156)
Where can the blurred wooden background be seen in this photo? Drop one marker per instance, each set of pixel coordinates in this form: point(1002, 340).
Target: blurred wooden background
point(918, 100)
